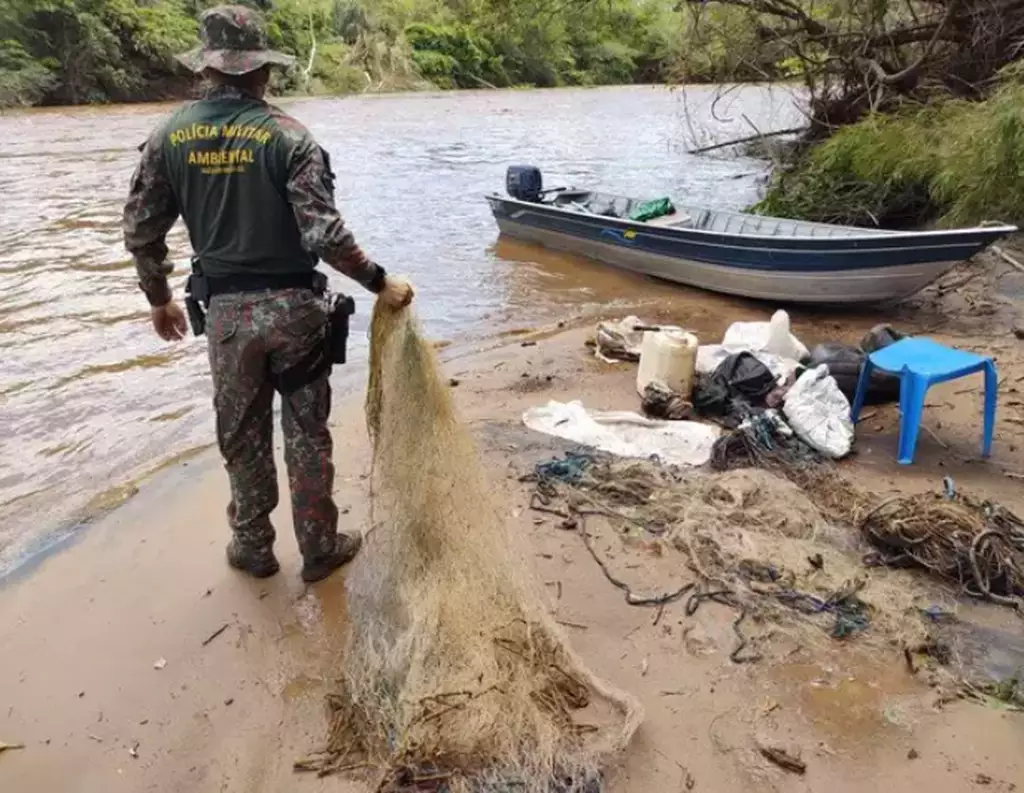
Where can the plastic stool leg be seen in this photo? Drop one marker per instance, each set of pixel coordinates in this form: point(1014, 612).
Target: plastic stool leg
point(862, 389)
point(913, 389)
point(991, 397)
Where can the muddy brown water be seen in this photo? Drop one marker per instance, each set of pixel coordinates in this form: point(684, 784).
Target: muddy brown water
point(91, 400)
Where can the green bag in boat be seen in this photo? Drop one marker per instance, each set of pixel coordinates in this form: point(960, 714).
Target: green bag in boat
point(649, 210)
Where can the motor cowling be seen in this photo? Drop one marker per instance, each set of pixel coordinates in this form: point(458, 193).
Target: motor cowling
point(524, 183)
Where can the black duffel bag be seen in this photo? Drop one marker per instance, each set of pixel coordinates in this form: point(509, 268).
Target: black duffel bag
point(880, 336)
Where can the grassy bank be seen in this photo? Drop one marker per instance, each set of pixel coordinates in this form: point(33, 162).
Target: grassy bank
point(952, 164)
point(934, 160)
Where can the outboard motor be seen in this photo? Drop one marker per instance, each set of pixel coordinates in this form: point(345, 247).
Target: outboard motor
point(524, 183)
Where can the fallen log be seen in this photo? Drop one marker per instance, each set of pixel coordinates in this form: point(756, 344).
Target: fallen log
point(748, 139)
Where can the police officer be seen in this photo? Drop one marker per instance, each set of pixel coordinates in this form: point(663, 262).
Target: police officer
point(255, 191)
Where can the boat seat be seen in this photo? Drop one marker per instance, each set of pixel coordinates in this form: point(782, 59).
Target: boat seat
point(701, 220)
point(677, 220)
point(568, 197)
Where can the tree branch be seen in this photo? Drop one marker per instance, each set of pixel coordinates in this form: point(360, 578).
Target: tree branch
point(749, 139)
point(312, 50)
point(892, 79)
point(778, 8)
point(862, 59)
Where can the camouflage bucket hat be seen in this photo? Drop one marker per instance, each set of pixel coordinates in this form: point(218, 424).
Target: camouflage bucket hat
point(233, 42)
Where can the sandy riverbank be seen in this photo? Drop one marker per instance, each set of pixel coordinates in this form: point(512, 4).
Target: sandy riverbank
point(230, 711)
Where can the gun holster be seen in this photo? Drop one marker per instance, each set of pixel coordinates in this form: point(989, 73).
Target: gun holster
point(339, 309)
point(197, 299)
point(332, 350)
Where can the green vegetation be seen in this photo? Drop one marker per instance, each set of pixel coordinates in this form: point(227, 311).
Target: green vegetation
point(952, 164)
point(78, 51)
point(73, 51)
point(23, 80)
point(915, 108)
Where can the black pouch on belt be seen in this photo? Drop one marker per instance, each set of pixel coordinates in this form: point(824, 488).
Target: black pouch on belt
point(338, 312)
point(197, 298)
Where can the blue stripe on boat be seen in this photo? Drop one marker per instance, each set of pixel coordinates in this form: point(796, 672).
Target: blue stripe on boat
point(755, 252)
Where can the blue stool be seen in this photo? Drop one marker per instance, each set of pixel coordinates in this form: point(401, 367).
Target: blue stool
point(920, 364)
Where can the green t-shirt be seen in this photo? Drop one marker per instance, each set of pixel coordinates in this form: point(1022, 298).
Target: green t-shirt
point(227, 161)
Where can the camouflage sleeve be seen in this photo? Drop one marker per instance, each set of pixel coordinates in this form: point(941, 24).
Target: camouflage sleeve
point(322, 228)
point(149, 213)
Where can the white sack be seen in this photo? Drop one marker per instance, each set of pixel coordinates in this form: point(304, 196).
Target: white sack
point(770, 337)
point(819, 413)
point(625, 434)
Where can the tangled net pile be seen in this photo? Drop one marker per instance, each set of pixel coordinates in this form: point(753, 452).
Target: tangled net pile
point(758, 443)
point(979, 545)
point(976, 544)
point(455, 676)
point(751, 540)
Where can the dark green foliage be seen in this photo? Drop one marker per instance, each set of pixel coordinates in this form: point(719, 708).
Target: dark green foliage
point(23, 80)
point(95, 50)
point(74, 51)
point(454, 56)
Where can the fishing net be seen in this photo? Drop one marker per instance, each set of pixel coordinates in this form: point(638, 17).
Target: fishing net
point(455, 676)
point(660, 402)
point(979, 545)
point(746, 538)
point(761, 441)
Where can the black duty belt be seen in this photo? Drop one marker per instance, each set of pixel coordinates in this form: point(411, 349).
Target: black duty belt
point(253, 282)
point(321, 356)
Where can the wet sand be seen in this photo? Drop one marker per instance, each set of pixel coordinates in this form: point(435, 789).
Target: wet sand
point(85, 629)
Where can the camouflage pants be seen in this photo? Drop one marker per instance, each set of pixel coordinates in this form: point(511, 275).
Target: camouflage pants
point(253, 337)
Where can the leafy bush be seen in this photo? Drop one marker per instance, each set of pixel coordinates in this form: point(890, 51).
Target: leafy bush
point(608, 62)
point(335, 73)
point(91, 50)
point(454, 56)
point(23, 80)
point(721, 43)
point(437, 67)
point(958, 163)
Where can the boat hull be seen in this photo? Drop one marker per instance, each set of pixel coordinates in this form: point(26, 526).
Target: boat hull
point(828, 271)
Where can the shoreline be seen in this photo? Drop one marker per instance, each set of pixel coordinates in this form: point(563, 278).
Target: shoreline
point(431, 91)
point(345, 384)
point(657, 299)
point(122, 675)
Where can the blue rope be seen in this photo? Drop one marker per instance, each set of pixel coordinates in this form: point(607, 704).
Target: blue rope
point(850, 613)
point(569, 470)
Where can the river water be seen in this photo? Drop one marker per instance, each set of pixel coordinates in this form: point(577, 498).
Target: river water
point(91, 400)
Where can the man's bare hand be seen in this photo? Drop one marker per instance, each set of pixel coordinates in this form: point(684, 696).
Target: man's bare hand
point(397, 292)
point(169, 321)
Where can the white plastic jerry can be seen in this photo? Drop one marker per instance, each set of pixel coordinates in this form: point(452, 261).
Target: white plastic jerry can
point(668, 356)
